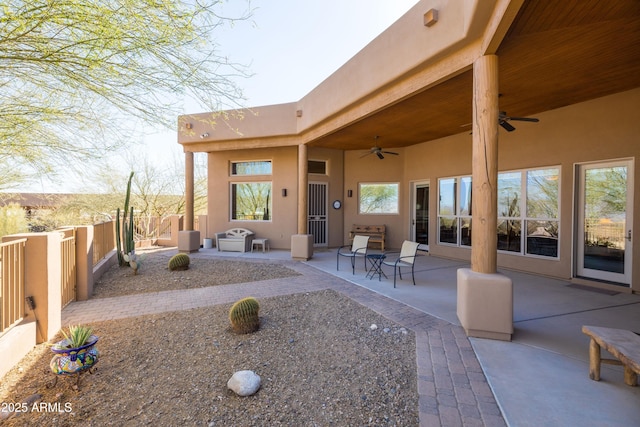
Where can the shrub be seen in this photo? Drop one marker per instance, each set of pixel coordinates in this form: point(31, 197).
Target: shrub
point(244, 316)
point(179, 262)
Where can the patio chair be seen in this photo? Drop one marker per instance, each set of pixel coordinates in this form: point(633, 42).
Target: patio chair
point(406, 258)
point(358, 248)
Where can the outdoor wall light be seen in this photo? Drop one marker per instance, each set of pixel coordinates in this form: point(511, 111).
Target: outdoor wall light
point(284, 192)
point(349, 193)
point(431, 17)
point(204, 135)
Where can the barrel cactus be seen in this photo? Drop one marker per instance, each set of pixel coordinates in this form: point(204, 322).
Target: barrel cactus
point(244, 316)
point(179, 262)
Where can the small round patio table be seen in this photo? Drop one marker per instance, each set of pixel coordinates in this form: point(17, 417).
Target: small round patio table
point(375, 261)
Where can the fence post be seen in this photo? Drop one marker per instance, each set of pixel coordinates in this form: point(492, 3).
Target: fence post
point(42, 274)
point(84, 262)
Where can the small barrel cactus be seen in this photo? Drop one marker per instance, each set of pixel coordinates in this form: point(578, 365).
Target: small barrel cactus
point(244, 316)
point(179, 262)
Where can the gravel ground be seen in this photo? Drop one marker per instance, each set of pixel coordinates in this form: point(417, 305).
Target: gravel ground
point(320, 362)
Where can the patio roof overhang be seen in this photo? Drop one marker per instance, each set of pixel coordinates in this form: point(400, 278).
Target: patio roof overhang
point(554, 54)
point(551, 54)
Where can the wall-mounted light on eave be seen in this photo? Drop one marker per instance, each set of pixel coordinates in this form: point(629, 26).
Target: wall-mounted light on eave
point(188, 125)
point(204, 135)
point(431, 17)
point(298, 113)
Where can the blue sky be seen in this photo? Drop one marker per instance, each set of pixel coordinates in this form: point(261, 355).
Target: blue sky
point(294, 45)
point(290, 46)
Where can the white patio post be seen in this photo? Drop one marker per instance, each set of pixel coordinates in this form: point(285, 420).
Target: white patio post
point(302, 243)
point(485, 298)
point(188, 239)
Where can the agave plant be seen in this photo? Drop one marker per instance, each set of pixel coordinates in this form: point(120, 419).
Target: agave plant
point(77, 336)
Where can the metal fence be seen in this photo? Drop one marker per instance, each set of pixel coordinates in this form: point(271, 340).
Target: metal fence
point(104, 240)
point(12, 302)
point(68, 266)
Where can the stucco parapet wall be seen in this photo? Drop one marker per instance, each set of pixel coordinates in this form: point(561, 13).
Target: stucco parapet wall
point(405, 59)
point(241, 124)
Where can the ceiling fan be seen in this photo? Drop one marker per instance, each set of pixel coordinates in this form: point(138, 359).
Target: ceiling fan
point(503, 120)
point(378, 151)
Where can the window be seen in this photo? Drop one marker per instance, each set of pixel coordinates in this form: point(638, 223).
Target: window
point(317, 166)
point(447, 220)
point(509, 218)
point(379, 198)
point(527, 211)
point(454, 211)
point(251, 168)
point(542, 211)
point(251, 201)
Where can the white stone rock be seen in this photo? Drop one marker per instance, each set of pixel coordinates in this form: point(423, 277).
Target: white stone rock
point(373, 327)
point(244, 383)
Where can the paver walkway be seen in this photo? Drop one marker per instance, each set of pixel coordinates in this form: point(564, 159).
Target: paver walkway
point(453, 390)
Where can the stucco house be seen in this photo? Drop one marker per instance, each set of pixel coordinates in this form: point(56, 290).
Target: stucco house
point(430, 114)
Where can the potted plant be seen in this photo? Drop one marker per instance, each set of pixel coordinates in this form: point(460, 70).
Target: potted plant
point(76, 352)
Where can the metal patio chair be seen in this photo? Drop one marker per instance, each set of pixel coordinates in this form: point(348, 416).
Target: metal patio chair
point(358, 248)
point(406, 258)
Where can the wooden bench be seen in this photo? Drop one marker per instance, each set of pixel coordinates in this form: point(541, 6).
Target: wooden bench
point(623, 344)
point(376, 233)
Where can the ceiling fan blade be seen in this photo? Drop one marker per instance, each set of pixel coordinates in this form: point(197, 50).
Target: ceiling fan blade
point(379, 154)
point(507, 126)
point(390, 152)
point(525, 119)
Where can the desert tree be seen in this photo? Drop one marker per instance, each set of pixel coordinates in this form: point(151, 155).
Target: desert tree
point(79, 78)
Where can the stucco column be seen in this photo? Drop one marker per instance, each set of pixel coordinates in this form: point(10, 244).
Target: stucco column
point(485, 298)
point(188, 239)
point(189, 190)
point(303, 188)
point(485, 165)
point(302, 243)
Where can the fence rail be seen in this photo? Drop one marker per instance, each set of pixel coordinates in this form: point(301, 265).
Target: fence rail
point(104, 240)
point(68, 267)
point(12, 300)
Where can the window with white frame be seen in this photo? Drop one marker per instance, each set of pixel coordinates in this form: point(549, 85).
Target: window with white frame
point(251, 201)
point(454, 211)
point(542, 218)
point(528, 208)
point(379, 198)
point(261, 167)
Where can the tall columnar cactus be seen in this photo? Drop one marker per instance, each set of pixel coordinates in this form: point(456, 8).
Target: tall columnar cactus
point(244, 316)
point(124, 228)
